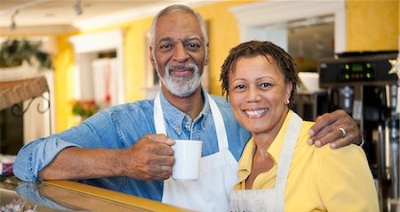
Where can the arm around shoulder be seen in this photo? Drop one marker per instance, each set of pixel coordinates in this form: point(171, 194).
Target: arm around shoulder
point(336, 128)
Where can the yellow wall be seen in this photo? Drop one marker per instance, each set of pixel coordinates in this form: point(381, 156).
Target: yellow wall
point(63, 83)
point(371, 25)
point(135, 59)
point(223, 34)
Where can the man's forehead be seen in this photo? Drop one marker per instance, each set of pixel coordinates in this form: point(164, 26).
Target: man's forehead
point(177, 38)
point(178, 25)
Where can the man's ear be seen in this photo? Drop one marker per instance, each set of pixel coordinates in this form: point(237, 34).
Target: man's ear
point(207, 55)
point(152, 58)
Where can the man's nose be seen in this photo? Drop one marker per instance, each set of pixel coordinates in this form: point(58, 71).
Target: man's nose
point(180, 53)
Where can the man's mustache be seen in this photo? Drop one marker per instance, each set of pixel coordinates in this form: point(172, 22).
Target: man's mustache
point(189, 67)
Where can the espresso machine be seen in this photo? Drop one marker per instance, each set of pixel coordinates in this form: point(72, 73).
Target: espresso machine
point(360, 84)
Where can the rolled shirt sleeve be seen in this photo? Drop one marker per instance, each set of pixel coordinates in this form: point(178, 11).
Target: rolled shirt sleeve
point(120, 127)
point(43, 152)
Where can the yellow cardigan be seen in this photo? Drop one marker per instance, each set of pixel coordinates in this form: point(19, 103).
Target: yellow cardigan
point(319, 179)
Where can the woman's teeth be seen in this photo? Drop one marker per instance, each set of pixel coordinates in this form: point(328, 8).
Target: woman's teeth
point(255, 112)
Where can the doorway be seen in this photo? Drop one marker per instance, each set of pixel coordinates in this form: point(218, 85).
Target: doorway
point(266, 20)
point(310, 42)
point(99, 67)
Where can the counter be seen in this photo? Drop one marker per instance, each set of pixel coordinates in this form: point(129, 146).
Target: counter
point(73, 196)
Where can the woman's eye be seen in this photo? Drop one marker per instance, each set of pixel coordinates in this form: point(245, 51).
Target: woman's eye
point(265, 85)
point(239, 87)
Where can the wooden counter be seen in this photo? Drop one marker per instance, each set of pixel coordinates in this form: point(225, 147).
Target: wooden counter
point(73, 196)
point(99, 199)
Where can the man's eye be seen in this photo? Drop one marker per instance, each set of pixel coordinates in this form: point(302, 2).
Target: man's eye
point(166, 46)
point(193, 46)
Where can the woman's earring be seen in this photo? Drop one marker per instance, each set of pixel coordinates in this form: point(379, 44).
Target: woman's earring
point(287, 102)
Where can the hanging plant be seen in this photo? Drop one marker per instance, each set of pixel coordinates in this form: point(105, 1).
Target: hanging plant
point(14, 52)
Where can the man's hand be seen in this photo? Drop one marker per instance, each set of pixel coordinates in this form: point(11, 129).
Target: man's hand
point(336, 128)
point(150, 158)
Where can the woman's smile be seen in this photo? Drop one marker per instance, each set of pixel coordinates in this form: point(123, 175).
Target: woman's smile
point(255, 113)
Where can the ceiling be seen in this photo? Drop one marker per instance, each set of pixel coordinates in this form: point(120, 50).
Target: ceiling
point(65, 15)
point(306, 38)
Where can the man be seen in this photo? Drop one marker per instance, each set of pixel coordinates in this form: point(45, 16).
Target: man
point(127, 148)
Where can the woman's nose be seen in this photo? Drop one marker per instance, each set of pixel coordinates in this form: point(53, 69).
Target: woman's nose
point(253, 94)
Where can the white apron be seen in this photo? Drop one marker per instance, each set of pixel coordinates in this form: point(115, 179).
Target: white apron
point(217, 174)
point(270, 200)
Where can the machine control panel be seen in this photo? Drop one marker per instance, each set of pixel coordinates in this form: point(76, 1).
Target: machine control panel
point(365, 69)
point(361, 71)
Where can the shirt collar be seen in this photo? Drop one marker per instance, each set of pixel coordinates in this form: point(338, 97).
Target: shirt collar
point(274, 150)
point(177, 119)
point(276, 147)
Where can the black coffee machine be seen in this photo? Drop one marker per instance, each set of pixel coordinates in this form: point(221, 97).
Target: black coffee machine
point(359, 83)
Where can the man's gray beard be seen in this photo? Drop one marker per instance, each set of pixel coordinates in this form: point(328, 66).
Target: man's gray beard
point(182, 86)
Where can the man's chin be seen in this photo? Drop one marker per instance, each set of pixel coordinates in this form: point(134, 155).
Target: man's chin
point(182, 87)
point(182, 94)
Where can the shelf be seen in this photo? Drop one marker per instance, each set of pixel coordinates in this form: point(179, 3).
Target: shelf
point(16, 91)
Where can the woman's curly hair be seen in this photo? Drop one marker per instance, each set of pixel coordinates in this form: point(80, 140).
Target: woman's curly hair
point(265, 48)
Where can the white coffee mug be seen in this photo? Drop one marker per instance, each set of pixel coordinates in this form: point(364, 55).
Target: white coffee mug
point(187, 159)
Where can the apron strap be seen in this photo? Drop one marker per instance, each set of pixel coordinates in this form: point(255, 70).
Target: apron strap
point(218, 171)
point(288, 149)
point(285, 160)
point(159, 116)
point(271, 199)
point(219, 125)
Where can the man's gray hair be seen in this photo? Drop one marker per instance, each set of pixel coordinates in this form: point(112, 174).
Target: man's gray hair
point(178, 9)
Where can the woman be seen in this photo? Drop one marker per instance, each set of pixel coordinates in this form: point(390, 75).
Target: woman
point(278, 171)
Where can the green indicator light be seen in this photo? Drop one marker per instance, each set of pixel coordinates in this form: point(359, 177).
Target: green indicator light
point(346, 67)
point(368, 65)
point(346, 76)
point(368, 75)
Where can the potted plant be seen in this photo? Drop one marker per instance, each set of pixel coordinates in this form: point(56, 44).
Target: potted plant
point(14, 53)
point(84, 108)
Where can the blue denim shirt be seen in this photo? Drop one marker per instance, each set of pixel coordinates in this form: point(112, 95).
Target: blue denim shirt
point(120, 127)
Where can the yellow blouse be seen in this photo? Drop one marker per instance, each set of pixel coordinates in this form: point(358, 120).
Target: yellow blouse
point(319, 179)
